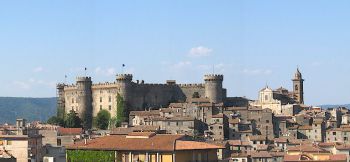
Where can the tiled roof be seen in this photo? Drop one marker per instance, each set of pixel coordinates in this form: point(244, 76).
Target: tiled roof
point(337, 157)
point(326, 144)
point(145, 113)
point(261, 154)
point(120, 142)
point(281, 140)
point(291, 157)
point(257, 138)
point(193, 145)
point(343, 147)
point(305, 127)
point(235, 142)
point(159, 142)
point(69, 131)
point(307, 148)
point(175, 118)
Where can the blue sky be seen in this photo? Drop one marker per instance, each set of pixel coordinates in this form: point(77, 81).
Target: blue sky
point(253, 43)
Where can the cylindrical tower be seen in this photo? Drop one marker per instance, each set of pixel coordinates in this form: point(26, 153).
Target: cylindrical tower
point(84, 100)
point(213, 87)
point(60, 101)
point(124, 82)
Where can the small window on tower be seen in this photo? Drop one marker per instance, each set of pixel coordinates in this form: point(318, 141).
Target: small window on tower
point(266, 97)
point(296, 87)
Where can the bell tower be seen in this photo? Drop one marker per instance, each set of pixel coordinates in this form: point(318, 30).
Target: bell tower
point(298, 87)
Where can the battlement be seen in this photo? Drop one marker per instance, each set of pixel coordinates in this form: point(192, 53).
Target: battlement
point(104, 85)
point(126, 77)
point(213, 77)
point(83, 79)
point(60, 86)
point(70, 87)
point(191, 85)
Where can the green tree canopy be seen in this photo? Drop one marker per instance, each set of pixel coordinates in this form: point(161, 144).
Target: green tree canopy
point(102, 119)
point(72, 120)
point(54, 120)
point(120, 117)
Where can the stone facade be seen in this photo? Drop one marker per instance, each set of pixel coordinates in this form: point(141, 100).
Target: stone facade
point(87, 99)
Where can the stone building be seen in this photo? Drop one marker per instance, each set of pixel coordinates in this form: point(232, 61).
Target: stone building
point(87, 99)
point(281, 101)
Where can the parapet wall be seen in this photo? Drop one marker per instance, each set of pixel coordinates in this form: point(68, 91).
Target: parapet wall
point(126, 77)
point(213, 77)
point(83, 79)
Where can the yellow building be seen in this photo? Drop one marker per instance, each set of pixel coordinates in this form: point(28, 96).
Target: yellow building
point(143, 147)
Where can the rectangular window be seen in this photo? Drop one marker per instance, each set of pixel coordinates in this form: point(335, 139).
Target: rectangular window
point(109, 99)
point(109, 107)
point(100, 107)
point(9, 142)
point(334, 133)
point(100, 99)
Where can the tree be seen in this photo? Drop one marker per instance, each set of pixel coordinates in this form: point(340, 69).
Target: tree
point(102, 119)
point(120, 117)
point(54, 120)
point(72, 120)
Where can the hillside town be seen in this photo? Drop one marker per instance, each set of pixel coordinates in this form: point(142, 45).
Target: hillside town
point(181, 123)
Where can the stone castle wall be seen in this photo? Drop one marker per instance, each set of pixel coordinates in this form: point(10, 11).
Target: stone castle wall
point(137, 96)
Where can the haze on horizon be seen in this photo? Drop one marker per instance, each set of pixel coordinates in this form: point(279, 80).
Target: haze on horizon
point(252, 43)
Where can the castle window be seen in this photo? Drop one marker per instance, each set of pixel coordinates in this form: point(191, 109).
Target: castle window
point(100, 107)
point(110, 99)
point(110, 107)
point(72, 100)
point(100, 99)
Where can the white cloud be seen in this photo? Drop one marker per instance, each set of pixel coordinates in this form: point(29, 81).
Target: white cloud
point(256, 71)
point(200, 51)
point(38, 69)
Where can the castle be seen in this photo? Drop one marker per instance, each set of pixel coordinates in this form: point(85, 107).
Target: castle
point(87, 99)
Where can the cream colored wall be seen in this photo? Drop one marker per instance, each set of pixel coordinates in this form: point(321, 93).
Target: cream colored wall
point(69, 105)
point(19, 149)
point(104, 93)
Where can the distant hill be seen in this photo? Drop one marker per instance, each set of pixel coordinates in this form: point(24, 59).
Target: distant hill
point(331, 106)
point(29, 108)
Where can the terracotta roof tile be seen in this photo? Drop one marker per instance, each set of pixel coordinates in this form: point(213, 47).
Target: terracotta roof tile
point(69, 131)
point(193, 145)
point(158, 142)
point(261, 154)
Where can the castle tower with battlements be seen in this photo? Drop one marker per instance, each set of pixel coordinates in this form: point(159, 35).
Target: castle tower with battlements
point(84, 100)
point(213, 87)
